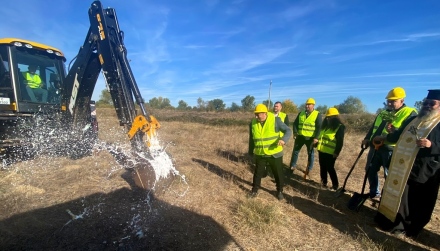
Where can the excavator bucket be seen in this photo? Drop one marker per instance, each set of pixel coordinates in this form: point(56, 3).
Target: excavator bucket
point(143, 175)
point(143, 172)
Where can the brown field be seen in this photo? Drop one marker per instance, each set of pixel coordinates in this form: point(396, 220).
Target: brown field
point(89, 203)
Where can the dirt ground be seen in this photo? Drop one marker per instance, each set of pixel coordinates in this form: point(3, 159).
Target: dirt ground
point(92, 203)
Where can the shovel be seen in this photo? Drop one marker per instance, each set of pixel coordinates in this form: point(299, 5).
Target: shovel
point(342, 190)
point(357, 200)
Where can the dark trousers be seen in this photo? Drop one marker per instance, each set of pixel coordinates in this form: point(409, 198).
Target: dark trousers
point(275, 165)
point(327, 165)
point(300, 141)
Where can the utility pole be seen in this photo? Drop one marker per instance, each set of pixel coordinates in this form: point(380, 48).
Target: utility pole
point(270, 87)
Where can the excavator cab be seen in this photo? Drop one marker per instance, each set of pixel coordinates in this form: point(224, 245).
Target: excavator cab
point(30, 83)
point(17, 94)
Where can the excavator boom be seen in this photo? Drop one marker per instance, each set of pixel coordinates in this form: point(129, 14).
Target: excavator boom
point(104, 50)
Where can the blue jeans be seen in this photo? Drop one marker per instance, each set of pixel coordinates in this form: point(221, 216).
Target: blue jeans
point(299, 143)
point(376, 159)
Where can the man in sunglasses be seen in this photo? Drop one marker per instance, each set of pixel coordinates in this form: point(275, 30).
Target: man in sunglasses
point(411, 189)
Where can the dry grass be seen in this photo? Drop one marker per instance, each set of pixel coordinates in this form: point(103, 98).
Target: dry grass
point(207, 209)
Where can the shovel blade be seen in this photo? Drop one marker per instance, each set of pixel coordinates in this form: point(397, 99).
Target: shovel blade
point(356, 201)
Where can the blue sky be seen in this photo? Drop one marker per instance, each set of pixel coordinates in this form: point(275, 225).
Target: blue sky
point(228, 49)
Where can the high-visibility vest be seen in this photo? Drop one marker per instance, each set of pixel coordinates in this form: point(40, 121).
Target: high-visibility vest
point(265, 137)
point(400, 116)
point(282, 116)
point(32, 80)
point(306, 125)
point(327, 140)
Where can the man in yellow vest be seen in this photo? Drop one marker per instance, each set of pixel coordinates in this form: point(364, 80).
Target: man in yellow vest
point(277, 107)
point(267, 145)
point(393, 117)
point(306, 129)
point(34, 84)
point(411, 190)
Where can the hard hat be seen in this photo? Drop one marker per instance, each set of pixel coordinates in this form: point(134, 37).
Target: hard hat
point(396, 93)
point(310, 101)
point(260, 108)
point(332, 112)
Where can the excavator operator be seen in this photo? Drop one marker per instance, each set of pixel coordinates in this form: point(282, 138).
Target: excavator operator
point(34, 84)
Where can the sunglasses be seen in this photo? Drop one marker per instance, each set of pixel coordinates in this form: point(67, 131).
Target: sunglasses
point(429, 102)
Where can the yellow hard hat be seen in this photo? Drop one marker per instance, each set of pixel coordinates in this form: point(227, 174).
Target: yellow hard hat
point(332, 112)
point(310, 101)
point(396, 93)
point(260, 108)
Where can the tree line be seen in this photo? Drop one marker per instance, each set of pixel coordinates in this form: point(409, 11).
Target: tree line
point(350, 105)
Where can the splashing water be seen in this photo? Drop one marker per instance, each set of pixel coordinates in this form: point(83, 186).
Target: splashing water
point(47, 141)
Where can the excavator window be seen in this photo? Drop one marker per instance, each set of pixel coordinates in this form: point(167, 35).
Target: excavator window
point(6, 91)
point(48, 70)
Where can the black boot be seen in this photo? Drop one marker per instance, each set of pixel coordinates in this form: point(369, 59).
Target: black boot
point(280, 195)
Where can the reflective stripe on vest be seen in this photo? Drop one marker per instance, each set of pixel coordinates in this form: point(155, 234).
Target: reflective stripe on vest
point(265, 137)
point(306, 125)
point(33, 81)
point(327, 141)
point(400, 116)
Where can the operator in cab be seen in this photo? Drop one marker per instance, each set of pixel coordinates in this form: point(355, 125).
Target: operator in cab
point(34, 85)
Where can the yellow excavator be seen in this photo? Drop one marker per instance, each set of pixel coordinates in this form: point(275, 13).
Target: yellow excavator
point(52, 113)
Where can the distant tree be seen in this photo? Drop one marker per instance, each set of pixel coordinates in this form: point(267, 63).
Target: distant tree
point(248, 103)
point(160, 103)
point(154, 103)
point(302, 107)
point(201, 105)
point(166, 104)
point(289, 106)
point(182, 105)
point(216, 105)
point(351, 105)
point(234, 107)
point(322, 108)
point(105, 98)
point(269, 104)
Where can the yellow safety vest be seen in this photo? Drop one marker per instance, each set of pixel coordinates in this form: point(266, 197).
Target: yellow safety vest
point(33, 81)
point(306, 125)
point(265, 137)
point(282, 116)
point(327, 140)
point(401, 115)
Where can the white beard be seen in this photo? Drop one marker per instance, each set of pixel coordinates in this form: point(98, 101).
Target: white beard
point(428, 115)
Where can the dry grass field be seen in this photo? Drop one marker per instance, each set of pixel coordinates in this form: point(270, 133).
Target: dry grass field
point(91, 204)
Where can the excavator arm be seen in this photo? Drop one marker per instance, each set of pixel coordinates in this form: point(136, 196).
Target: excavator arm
point(104, 50)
